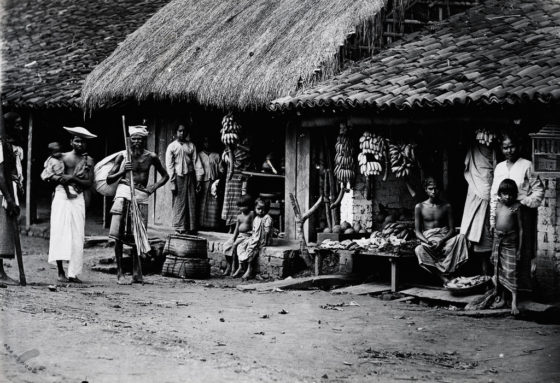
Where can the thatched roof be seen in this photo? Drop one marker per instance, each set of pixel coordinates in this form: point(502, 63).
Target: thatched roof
point(49, 46)
point(229, 54)
point(497, 53)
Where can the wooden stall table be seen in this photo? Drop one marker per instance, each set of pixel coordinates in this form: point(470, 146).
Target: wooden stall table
point(395, 258)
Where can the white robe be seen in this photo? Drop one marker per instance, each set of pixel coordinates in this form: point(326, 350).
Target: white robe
point(68, 218)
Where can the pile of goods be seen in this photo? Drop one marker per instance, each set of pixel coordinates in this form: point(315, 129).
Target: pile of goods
point(346, 228)
point(186, 256)
point(485, 136)
point(465, 285)
point(230, 130)
point(402, 159)
point(372, 152)
point(344, 158)
point(398, 230)
point(347, 244)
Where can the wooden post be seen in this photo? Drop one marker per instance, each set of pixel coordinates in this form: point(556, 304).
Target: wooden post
point(303, 171)
point(290, 179)
point(29, 210)
point(445, 172)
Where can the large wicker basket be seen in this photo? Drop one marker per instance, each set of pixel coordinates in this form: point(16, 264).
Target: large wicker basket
point(186, 246)
point(191, 268)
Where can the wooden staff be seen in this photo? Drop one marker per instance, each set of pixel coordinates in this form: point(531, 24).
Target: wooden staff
point(17, 246)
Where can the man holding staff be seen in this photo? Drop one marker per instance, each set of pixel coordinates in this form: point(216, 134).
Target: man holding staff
point(141, 160)
point(9, 209)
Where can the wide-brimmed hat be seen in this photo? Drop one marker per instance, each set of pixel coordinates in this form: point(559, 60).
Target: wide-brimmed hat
point(79, 131)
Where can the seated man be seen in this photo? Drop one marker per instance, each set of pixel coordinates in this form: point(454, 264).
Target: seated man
point(440, 251)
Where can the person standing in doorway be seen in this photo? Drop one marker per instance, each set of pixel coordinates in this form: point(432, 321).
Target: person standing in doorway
point(68, 216)
point(208, 205)
point(186, 172)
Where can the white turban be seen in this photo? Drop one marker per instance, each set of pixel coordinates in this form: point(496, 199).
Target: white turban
point(138, 130)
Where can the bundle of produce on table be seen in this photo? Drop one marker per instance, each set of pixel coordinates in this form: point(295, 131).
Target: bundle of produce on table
point(374, 243)
point(398, 230)
point(230, 130)
point(485, 136)
point(372, 153)
point(347, 244)
point(344, 158)
point(346, 228)
point(402, 159)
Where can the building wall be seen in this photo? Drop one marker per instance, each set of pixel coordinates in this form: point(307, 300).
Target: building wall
point(392, 193)
point(548, 246)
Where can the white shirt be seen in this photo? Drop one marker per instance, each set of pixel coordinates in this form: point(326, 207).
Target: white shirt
point(530, 188)
point(181, 158)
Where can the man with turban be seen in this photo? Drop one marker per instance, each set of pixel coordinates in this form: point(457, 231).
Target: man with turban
point(68, 216)
point(141, 160)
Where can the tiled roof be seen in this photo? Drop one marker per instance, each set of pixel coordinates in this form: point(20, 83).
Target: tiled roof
point(49, 46)
point(501, 52)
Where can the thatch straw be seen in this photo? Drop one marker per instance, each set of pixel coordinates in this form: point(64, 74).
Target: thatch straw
point(228, 54)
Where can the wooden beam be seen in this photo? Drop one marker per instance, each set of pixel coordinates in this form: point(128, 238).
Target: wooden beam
point(290, 179)
point(29, 210)
point(303, 172)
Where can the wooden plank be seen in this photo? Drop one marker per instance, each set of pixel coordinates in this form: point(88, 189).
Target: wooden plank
point(290, 179)
point(29, 211)
point(303, 173)
point(301, 283)
point(394, 274)
point(438, 295)
point(151, 142)
point(363, 289)
point(163, 206)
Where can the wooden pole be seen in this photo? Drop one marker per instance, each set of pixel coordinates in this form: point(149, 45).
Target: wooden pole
point(29, 215)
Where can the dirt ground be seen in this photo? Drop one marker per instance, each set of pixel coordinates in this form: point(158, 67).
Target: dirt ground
point(173, 330)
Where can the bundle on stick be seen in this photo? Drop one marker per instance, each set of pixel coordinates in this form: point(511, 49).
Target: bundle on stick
point(402, 159)
point(485, 136)
point(372, 152)
point(230, 130)
point(344, 158)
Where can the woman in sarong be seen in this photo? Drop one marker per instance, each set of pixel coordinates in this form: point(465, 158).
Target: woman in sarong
point(531, 193)
point(475, 225)
point(208, 205)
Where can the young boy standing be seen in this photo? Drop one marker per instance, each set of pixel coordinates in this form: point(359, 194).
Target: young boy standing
point(508, 232)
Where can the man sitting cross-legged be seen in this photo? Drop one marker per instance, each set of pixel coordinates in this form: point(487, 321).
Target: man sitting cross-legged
point(440, 251)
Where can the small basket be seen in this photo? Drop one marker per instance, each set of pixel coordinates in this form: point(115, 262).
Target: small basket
point(190, 268)
point(186, 246)
point(470, 290)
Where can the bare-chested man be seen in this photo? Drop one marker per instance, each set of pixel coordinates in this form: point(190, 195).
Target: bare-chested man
point(68, 216)
point(440, 251)
point(140, 162)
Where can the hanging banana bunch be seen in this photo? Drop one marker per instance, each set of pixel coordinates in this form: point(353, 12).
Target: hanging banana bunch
point(402, 159)
point(372, 152)
point(230, 130)
point(344, 158)
point(485, 136)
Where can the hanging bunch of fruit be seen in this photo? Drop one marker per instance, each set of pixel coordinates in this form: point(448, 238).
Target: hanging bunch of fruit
point(344, 158)
point(372, 151)
point(402, 159)
point(230, 130)
point(485, 136)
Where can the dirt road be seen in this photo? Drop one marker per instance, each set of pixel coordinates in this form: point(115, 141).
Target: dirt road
point(175, 331)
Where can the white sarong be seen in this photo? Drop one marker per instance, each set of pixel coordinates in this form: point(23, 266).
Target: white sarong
point(68, 218)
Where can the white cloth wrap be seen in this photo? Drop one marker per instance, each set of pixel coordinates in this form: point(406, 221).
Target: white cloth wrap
point(123, 191)
point(68, 218)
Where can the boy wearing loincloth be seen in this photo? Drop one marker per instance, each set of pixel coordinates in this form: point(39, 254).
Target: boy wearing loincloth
point(440, 251)
point(54, 166)
point(508, 233)
point(242, 232)
point(140, 163)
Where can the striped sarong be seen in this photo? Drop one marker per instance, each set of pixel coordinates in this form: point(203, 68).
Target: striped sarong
point(208, 207)
point(6, 234)
point(448, 260)
point(232, 194)
point(504, 257)
point(184, 203)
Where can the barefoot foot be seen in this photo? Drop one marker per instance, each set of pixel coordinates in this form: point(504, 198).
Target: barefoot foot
point(227, 271)
point(74, 280)
point(514, 310)
point(121, 280)
point(62, 279)
point(137, 280)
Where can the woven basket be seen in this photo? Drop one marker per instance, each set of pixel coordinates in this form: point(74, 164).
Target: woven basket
point(186, 246)
point(190, 268)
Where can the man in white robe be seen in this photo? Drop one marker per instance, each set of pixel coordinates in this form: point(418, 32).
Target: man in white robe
point(68, 216)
